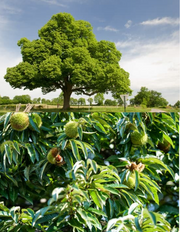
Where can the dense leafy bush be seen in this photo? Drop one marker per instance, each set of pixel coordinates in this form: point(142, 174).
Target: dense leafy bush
point(101, 179)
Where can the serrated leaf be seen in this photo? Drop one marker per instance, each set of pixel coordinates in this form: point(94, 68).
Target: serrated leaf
point(75, 149)
point(95, 197)
point(132, 207)
point(31, 152)
point(33, 124)
point(137, 224)
point(56, 192)
point(80, 133)
point(8, 153)
point(136, 180)
point(42, 170)
point(97, 211)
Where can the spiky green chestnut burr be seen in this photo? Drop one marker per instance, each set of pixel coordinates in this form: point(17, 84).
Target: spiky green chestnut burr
point(37, 119)
point(51, 156)
point(164, 145)
point(81, 121)
point(131, 181)
point(71, 129)
point(19, 121)
point(138, 139)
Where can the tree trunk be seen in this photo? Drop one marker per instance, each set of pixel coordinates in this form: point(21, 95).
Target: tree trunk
point(67, 91)
point(67, 96)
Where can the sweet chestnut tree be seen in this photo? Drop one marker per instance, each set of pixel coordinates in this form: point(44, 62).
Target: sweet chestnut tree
point(85, 172)
point(67, 56)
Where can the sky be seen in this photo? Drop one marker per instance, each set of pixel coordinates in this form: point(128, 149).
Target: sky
point(145, 32)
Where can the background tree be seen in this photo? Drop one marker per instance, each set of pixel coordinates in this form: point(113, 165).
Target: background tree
point(24, 99)
point(73, 101)
point(5, 100)
point(90, 100)
point(177, 104)
point(149, 98)
point(68, 57)
point(99, 98)
point(36, 100)
point(156, 99)
point(142, 94)
point(45, 101)
point(81, 101)
point(109, 102)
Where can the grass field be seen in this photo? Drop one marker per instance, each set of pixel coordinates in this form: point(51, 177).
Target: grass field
point(53, 108)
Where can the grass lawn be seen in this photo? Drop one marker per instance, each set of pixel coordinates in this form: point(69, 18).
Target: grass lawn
point(53, 108)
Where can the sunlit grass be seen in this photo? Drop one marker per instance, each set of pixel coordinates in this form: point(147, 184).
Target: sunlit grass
point(54, 108)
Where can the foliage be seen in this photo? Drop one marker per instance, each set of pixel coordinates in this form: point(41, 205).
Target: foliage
point(68, 57)
point(86, 189)
point(81, 101)
point(99, 98)
point(109, 102)
point(149, 98)
point(90, 100)
point(73, 101)
point(24, 99)
point(5, 100)
point(177, 104)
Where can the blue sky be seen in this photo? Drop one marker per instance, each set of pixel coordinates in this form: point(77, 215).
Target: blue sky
point(145, 32)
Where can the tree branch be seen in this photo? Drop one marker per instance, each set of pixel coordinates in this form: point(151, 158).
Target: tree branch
point(86, 93)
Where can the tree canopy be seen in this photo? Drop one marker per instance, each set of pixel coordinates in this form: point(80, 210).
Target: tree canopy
point(149, 98)
point(67, 56)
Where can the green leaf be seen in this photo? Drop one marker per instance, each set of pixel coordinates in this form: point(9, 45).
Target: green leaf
point(31, 152)
point(154, 160)
point(99, 128)
point(80, 132)
point(7, 118)
point(97, 211)
point(84, 216)
point(117, 186)
point(132, 207)
point(75, 224)
point(136, 180)
point(75, 149)
point(83, 146)
point(166, 137)
point(33, 124)
point(12, 179)
point(26, 172)
point(95, 197)
point(42, 170)
point(93, 165)
point(46, 218)
point(56, 192)
point(137, 224)
point(8, 153)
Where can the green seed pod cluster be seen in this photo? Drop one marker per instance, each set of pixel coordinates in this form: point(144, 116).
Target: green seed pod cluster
point(164, 145)
point(71, 129)
point(138, 139)
point(131, 181)
point(37, 119)
point(19, 121)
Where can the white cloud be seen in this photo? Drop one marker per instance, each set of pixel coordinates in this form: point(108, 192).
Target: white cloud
point(107, 28)
point(161, 21)
point(154, 64)
point(9, 8)
point(54, 2)
point(128, 24)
